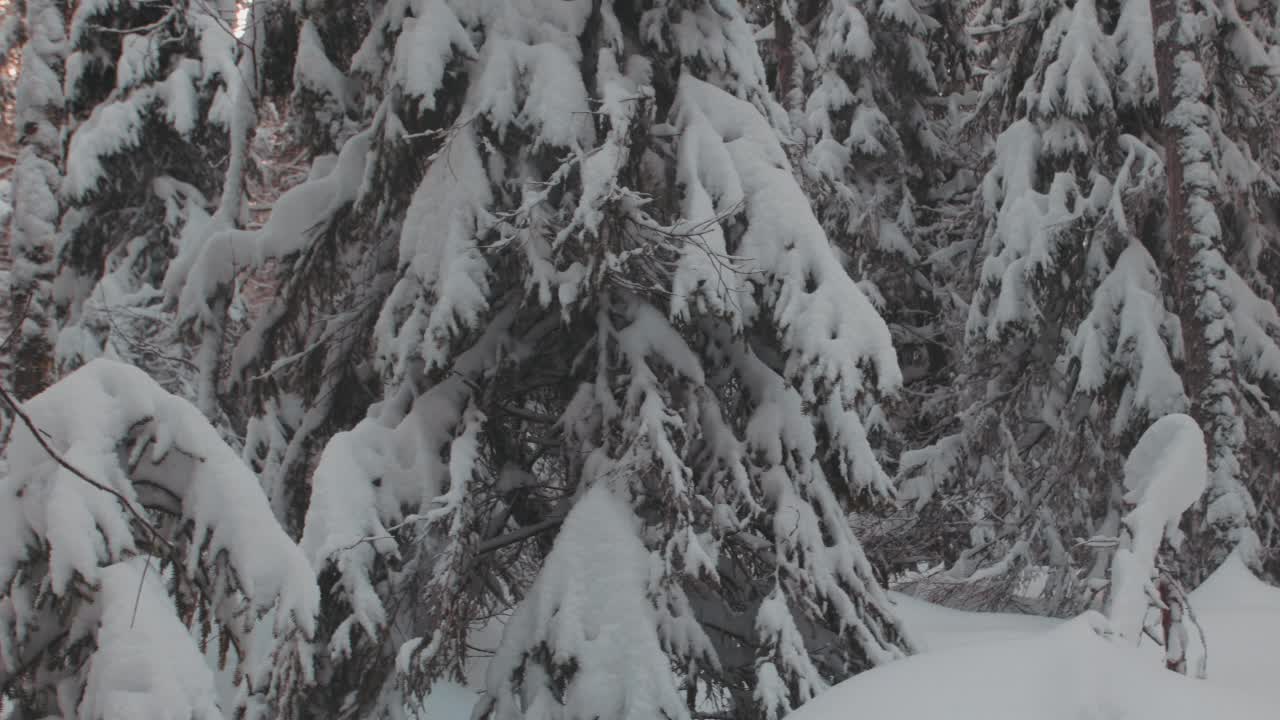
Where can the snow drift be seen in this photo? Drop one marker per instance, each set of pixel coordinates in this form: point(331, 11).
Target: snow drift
point(1072, 672)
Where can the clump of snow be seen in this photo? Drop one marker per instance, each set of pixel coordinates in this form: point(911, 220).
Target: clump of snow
point(1130, 334)
point(587, 623)
point(426, 44)
point(111, 128)
point(146, 667)
point(1165, 474)
point(839, 347)
point(1078, 81)
point(87, 416)
point(313, 70)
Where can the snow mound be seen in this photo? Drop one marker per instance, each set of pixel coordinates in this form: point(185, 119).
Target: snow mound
point(146, 667)
point(1240, 615)
point(935, 627)
point(1069, 673)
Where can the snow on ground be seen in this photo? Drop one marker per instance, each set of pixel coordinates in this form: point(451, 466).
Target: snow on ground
point(1241, 619)
point(997, 666)
point(1240, 615)
point(1021, 667)
point(939, 628)
point(448, 701)
point(1067, 673)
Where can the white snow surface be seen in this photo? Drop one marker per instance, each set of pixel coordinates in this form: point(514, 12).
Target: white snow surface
point(1240, 615)
point(146, 667)
point(1070, 673)
point(941, 628)
point(990, 666)
point(1023, 667)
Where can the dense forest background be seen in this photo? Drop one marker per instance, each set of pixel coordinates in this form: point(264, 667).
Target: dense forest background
point(337, 333)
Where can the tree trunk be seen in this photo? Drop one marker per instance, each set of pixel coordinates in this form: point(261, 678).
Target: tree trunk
point(33, 227)
point(785, 84)
point(1195, 372)
point(1196, 279)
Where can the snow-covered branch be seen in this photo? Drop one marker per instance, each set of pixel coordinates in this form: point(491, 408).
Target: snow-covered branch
point(106, 448)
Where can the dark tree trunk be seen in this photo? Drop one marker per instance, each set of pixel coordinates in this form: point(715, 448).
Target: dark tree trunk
point(1200, 298)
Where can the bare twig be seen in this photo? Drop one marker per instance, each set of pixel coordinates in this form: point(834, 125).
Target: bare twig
point(516, 536)
point(484, 547)
point(137, 599)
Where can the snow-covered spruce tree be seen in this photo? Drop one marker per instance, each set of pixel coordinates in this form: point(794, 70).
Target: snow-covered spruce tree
point(606, 274)
point(306, 360)
point(1070, 344)
point(1245, 77)
point(161, 118)
point(306, 363)
point(874, 147)
point(130, 537)
point(1218, 66)
point(864, 84)
point(324, 103)
point(1079, 286)
point(33, 224)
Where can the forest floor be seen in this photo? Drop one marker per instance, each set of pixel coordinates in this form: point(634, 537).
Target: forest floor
point(1008, 666)
point(989, 666)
